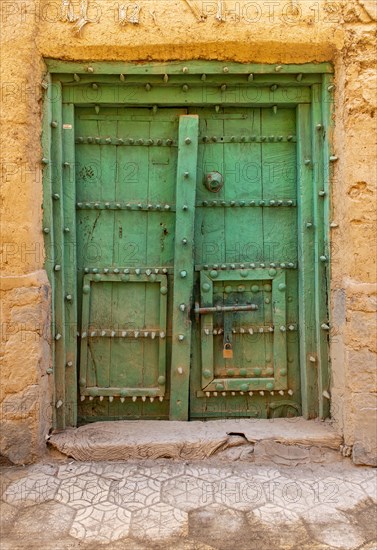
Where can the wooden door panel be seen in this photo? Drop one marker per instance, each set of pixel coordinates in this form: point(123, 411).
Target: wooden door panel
point(246, 237)
point(126, 179)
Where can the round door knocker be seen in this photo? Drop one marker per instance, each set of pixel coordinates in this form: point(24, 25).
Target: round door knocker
point(214, 181)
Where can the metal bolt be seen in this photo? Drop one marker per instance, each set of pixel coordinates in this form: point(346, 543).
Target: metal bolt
point(183, 274)
point(278, 68)
point(250, 77)
point(69, 298)
point(180, 370)
point(184, 207)
point(188, 141)
point(46, 230)
point(334, 225)
point(76, 77)
point(186, 175)
point(223, 87)
point(185, 70)
point(323, 258)
point(58, 336)
point(54, 124)
point(307, 162)
point(325, 326)
point(148, 87)
point(185, 88)
point(331, 87)
point(95, 86)
point(44, 160)
point(274, 87)
point(309, 225)
point(319, 126)
point(225, 70)
point(333, 158)
point(69, 364)
point(322, 193)
point(299, 77)
point(57, 267)
point(184, 241)
point(203, 77)
point(312, 359)
point(181, 337)
point(165, 78)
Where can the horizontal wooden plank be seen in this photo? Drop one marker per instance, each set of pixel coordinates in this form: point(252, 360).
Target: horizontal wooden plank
point(122, 392)
point(96, 80)
point(185, 67)
point(234, 95)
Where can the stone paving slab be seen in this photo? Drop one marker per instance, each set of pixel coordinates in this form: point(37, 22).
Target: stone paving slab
point(284, 441)
point(188, 505)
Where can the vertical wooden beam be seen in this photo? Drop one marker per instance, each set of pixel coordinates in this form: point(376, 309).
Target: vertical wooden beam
point(58, 269)
point(326, 97)
point(309, 383)
point(183, 265)
point(48, 127)
point(69, 247)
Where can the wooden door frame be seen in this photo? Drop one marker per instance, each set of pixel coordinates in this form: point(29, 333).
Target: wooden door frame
point(306, 87)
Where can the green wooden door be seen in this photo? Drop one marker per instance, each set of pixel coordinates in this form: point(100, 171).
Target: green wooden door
point(246, 266)
point(171, 271)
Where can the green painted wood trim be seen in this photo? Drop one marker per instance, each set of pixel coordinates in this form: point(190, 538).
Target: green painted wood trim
point(182, 67)
point(307, 320)
point(279, 319)
point(183, 265)
point(47, 223)
point(59, 329)
point(206, 324)
point(85, 317)
point(94, 82)
point(70, 266)
point(327, 105)
point(234, 95)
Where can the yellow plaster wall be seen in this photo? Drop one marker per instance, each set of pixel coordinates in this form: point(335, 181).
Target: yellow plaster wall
point(283, 31)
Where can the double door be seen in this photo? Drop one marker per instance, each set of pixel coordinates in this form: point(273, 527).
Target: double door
point(187, 263)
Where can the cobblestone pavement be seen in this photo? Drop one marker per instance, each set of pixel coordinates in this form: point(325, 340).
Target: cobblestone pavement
point(188, 506)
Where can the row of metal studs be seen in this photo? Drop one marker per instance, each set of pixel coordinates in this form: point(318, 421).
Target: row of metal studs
point(167, 142)
point(207, 394)
point(186, 88)
point(124, 334)
point(283, 265)
point(248, 330)
point(247, 139)
point(127, 271)
point(122, 399)
point(261, 202)
point(250, 393)
point(186, 70)
point(97, 205)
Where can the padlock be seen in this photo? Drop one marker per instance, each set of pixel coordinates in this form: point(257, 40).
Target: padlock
point(228, 351)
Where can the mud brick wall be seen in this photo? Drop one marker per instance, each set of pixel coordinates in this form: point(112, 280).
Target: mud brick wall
point(283, 31)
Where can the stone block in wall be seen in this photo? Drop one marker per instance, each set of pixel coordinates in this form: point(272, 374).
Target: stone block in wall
point(26, 391)
point(16, 439)
point(362, 371)
point(365, 424)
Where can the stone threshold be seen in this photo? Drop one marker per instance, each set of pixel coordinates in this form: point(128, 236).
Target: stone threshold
point(282, 441)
